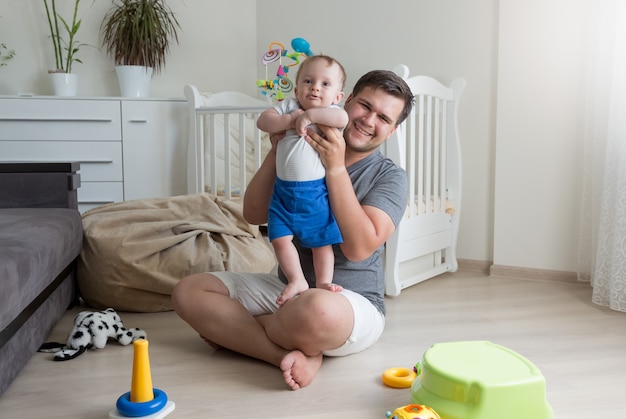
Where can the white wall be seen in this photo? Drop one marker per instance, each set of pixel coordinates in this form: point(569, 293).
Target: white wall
point(522, 62)
point(443, 39)
point(541, 71)
point(216, 49)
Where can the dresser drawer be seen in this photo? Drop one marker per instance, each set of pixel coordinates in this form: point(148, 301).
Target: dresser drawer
point(94, 194)
point(99, 161)
point(60, 120)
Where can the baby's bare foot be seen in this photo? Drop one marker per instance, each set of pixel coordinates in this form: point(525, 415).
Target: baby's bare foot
point(331, 287)
point(291, 290)
point(299, 370)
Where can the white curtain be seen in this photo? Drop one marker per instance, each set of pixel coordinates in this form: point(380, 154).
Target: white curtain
point(602, 251)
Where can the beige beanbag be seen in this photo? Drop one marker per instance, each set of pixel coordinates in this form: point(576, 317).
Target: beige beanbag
point(135, 252)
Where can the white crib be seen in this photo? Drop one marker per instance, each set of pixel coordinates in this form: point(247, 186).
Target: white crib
point(426, 145)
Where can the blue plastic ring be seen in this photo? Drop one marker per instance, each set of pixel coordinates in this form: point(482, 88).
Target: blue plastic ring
point(137, 409)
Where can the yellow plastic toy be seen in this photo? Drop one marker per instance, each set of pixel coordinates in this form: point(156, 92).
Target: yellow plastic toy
point(143, 400)
point(413, 411)
point(398, 377)
point(401, 377)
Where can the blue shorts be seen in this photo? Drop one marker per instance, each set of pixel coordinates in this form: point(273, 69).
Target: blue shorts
point(302, 209)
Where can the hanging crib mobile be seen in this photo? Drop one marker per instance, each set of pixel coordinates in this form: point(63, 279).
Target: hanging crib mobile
point(275, 88)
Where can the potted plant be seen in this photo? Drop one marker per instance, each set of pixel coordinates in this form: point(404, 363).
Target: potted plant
point(6, 55)
point(65, 50)
point(138, 34)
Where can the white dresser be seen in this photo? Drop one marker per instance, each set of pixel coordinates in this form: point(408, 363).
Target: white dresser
point(128, 148)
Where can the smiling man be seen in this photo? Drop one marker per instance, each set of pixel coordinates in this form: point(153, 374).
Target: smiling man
point(367, 194)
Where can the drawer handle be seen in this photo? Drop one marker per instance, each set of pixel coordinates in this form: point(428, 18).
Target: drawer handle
point(96, 161)
point(138, 121)
point(55, 120)
point(64, 161)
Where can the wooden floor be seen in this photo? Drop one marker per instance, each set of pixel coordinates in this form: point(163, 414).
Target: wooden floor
point(579, 347)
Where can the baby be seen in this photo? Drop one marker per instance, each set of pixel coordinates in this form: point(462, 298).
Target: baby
point(299, 205)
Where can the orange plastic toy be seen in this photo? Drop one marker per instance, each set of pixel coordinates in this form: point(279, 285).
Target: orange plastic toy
point(413, 411)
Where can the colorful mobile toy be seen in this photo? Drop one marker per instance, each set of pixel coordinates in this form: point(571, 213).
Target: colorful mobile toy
point(275, 88)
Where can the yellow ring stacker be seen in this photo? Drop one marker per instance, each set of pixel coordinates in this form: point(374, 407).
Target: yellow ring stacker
point(399, 377)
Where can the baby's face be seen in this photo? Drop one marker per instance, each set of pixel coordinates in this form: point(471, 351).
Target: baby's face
point(319, 85)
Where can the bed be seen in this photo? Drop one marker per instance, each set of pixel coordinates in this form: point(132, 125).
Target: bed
point(426, 145)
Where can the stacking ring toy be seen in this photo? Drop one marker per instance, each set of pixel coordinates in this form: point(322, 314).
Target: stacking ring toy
point(398, 377)
point(134, 409)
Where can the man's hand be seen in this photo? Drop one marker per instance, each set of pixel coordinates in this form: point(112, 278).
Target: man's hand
point(331, 147)
point(275, 137)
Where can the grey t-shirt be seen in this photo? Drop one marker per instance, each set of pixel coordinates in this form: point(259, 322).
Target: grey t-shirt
point(380, 183)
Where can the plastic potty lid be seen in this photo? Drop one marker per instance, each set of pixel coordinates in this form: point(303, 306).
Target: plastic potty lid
point(481, 361)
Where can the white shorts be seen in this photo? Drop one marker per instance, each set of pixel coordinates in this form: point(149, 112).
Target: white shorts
point(258, 294)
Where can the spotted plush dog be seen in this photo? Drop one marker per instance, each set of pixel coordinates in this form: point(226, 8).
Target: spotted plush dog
point(93, 329)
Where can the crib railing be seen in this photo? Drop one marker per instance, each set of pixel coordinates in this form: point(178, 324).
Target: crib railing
point(221, 180)
point(427, 155)
point(422, 147)
point(231, 116)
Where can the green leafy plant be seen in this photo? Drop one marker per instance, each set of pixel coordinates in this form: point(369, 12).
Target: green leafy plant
point(65, 50)
point(6, 55)
point(139, 32)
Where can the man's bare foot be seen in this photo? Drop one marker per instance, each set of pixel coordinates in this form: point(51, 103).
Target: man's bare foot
point(291, 290)
point(330, 287)
point(299, 370)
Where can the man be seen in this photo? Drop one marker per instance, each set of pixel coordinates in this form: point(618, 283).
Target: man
point(367, 194)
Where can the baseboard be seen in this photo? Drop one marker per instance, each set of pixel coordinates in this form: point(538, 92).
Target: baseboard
point(479, 266)
point(534, 274)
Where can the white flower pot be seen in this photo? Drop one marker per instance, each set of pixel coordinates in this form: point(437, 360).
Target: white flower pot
point(64, 84)
point(134, 80)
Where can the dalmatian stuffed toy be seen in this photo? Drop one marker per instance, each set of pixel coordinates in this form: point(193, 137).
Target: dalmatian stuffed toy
point(93, 329)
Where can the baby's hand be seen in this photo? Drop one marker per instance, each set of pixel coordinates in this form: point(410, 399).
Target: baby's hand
point(302, 122)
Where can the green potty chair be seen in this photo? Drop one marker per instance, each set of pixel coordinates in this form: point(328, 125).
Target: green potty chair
point(480, 380)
